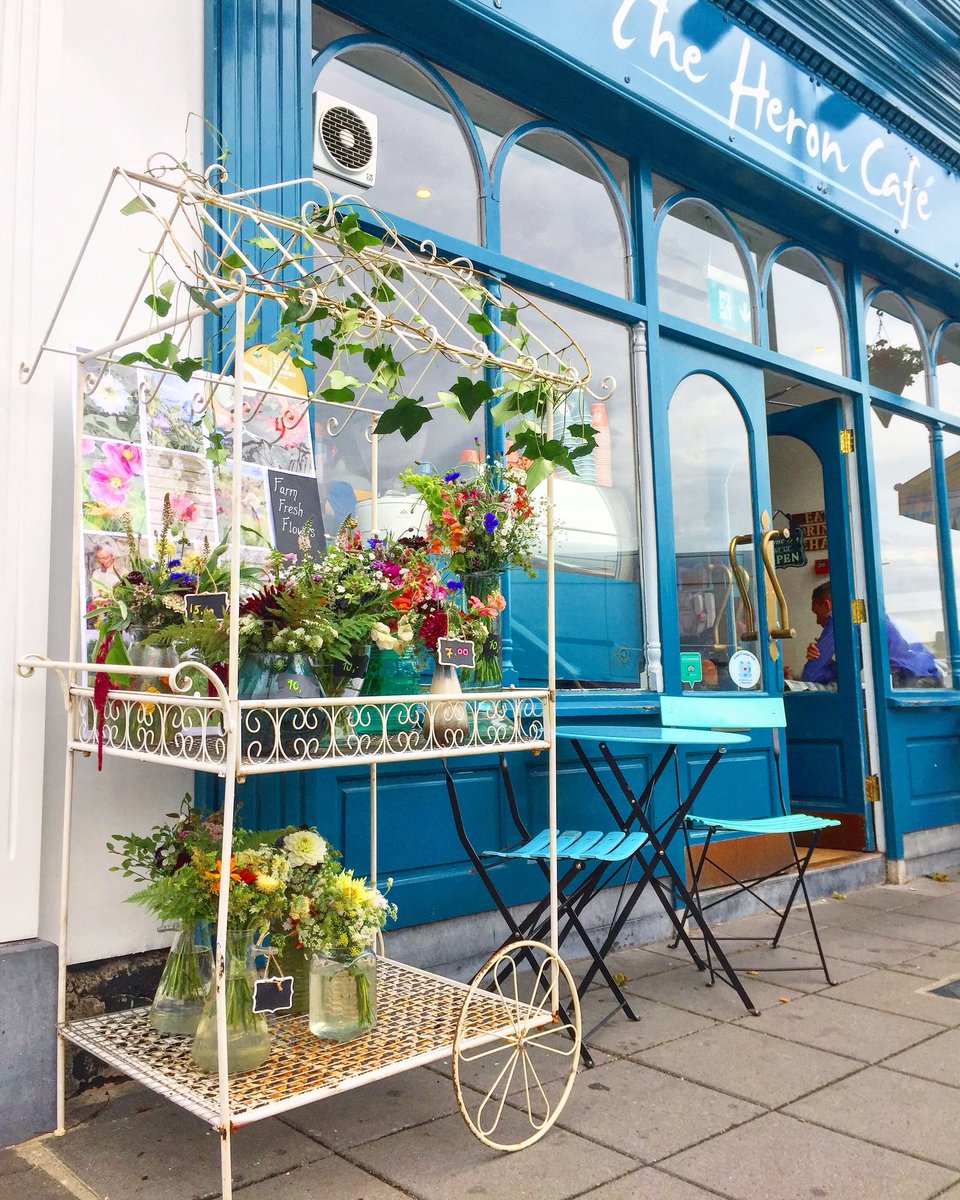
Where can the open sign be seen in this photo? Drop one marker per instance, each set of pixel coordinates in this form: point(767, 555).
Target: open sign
point(455, 653)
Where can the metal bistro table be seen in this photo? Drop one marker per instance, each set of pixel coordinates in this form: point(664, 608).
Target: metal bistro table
point(654, 853)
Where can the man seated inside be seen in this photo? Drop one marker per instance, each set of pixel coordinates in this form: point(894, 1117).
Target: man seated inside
point(911, 663)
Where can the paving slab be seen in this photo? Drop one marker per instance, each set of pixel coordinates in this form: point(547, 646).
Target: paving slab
point(619, 1036)
point(936, 964)
point(332, 1177)
point(442, 1160)
point(937, 1059)
point(779, 1158)
point(941, 908)
point(647, 1114)
point(376, 1109)
point(23, 1180)
point(937, 887)
point(632, 963)
point(689, 990)
point(909, 924)
point(649, 1184)
point(897, 992)
point(810, 978)
point(166, 1152)
point(900, 1112)
point(860, 945)
point(887, 895)
point(749, 1064)
point(829, 1024)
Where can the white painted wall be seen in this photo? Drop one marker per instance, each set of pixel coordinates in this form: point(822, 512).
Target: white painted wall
point(87, 85)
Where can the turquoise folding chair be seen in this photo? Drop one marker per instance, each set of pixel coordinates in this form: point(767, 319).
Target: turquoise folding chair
point(700, 830)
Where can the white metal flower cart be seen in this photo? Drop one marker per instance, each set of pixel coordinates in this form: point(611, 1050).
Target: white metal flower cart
point(220, 252)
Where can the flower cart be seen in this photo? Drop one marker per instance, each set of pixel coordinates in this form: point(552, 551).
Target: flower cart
point(338, 272)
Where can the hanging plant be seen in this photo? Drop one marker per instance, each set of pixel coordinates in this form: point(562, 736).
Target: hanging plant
point(893, 368)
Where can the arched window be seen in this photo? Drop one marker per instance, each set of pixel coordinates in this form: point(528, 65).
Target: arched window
point(947, 367)
point(710, 478)
point(378, 112)
point(701, 272)
point(802, 313)
point(558, 211)
point(896, 360)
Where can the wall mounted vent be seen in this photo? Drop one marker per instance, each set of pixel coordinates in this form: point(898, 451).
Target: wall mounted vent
point(344, 140)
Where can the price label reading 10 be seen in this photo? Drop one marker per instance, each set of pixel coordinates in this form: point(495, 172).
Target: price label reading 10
point(455, 653)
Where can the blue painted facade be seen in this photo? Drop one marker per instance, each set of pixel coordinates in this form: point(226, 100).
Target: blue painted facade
point(682, 91)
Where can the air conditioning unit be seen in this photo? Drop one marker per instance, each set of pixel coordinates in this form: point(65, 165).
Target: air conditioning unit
point(344, 140)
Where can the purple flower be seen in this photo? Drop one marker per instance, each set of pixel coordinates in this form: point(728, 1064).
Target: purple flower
point(374, 542)
point(454, 585)
point(490, 522)
point(109, 482)
point(451, 476)
point(173, 562)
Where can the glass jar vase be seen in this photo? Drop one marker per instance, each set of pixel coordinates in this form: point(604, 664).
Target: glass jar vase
point(248, 1038)
point(343, 995)
point(488, 672)
point(277, 677)
point(389, 673)
point(184, 983)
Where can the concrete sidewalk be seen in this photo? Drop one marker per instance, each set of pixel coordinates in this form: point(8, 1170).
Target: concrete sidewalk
point(844, 1092)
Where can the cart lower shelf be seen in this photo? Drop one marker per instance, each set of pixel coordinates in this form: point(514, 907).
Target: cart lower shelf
point(418, 1014)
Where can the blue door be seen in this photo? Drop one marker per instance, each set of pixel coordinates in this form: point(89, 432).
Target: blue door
point(825, 729)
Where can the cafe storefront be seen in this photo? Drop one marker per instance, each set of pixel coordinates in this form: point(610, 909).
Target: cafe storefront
point(762, 274)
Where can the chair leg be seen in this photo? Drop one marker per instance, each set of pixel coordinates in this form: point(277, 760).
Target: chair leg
point(801, 883)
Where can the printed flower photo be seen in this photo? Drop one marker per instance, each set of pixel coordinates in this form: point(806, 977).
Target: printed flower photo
point(254, 514)
point(111, 409)
point(186, 479)
point(276, 433)
point(170, 415)
point(112, 485)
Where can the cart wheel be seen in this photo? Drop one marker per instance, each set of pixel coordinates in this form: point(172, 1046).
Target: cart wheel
point(516, 1048)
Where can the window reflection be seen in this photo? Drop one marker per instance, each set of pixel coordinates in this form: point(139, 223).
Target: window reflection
point(557, 213)
point(599, 634)
point(910, 567)
point(700, 271)
point(894, 358)
point(424, 167)
point(710, 471)
point(948, 369)
point(802, 312)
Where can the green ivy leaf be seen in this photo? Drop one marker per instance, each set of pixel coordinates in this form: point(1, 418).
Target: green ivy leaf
point(343, 395)
point(508, 315)
point(585, 433)
point(326, 347)
point(537, 472)
point(164, 350)
point(481, 323)
point(200, 299)
point(138, 204)
point(158, 304)
point(472, 394)
point(339, 379)
point(187, 367)
point(232, 261)
point(264, 243)
point(407, 417)
point(217, 451)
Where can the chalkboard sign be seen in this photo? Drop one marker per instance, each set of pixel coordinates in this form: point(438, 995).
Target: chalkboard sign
point(295, 500)
point(455, 653)
point(789, 551)
point(274, 994)
point(197, 605)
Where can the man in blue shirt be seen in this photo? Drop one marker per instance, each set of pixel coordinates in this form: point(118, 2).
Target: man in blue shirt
point(911, 663)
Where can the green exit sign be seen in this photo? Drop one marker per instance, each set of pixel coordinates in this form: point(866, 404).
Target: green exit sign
point(691, 667)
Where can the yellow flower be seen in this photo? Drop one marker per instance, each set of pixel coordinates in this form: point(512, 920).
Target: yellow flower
point(147, 709)
point(353, 891)
point(267, 883)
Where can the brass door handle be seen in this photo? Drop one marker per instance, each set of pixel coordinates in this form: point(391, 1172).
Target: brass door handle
point(784, 629)
point(742, 580)
point(722, 607)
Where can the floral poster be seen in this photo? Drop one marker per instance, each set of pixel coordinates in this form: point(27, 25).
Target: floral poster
point(147, 435)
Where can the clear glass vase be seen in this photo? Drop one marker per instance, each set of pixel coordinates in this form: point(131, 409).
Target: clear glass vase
point(184, 984)
point(295, 962)
point(276, 677)
point(343, 995)
point(488, 672)
point(248, 1038)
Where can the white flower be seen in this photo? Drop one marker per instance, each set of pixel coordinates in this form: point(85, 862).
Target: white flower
point(110, 395)
point(304, 848)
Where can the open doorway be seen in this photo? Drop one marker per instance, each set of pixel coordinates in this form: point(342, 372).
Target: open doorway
point(826, 728)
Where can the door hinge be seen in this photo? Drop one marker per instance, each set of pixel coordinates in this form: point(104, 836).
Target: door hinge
point(871, 788)
point(846, 441)
point(858, 610)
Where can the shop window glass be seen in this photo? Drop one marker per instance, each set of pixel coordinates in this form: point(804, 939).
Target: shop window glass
point(895, 359)
point(906, 515)
point(599, 633)
point(557, 213)
point(425, 169)
point(948, 369)
point(951, 462)
point(700, 272)
point(710, 470)
point(804, 321)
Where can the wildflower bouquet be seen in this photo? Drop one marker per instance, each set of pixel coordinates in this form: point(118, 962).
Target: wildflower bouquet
point(418, 592)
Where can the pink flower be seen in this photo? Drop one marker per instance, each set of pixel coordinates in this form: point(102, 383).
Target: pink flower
point(123, 454)
point(183, 508)
point(495, 604)
point(87, 446)
point(109, 483)
point(294, 430)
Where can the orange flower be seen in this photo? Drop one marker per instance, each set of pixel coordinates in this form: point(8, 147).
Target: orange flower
point(213, 877)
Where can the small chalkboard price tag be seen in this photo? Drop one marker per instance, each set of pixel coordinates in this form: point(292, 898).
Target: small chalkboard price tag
point(273, 994)
point(453, 652)
point(491, 647)
point(201, 602)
